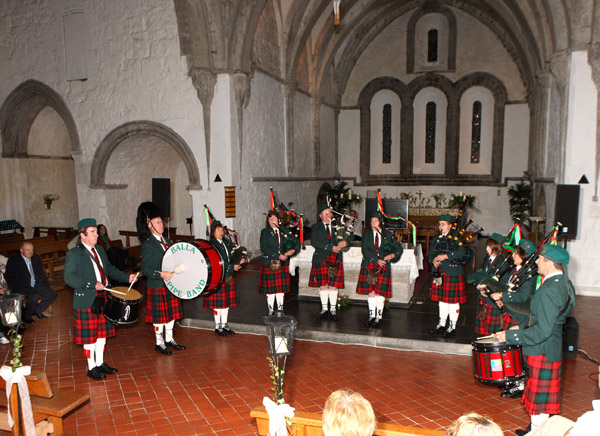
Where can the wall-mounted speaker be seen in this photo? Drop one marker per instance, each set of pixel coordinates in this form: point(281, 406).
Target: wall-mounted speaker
point(566, 210)
point(161, 195)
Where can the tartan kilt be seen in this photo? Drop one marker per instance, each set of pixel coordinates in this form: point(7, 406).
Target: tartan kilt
point(274, 282)
point(384, 281)
point(318, 273)
point(226, 296)
point(88, 327)
point(452, 290)
point(162, 307)
point(509, 321)
point(542, 389)
point(493, 320)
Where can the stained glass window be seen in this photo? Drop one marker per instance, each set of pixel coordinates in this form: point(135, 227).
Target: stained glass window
point(387, 134)
point(476, 133)
point(430, 121)
point(432, 45)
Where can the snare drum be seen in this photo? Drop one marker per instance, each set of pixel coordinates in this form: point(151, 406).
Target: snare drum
point(122, 307)
point(497, 362)
point(199, 269)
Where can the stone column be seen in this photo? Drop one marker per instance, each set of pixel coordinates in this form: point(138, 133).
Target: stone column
point(241, 90)
point(336, 119)
point(316, 135)
point(289, 90)
point(594, 61)
point(560, 69)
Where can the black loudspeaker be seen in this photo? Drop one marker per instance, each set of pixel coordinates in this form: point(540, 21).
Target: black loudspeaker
point(571, 338)
point(566, 210)
point(161, 195)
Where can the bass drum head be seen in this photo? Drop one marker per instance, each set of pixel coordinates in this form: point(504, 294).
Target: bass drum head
point(196, 271)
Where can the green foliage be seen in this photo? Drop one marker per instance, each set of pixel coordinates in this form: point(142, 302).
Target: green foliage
point(342, 198)
point(17, 341)
point(344, 301)
point(277, 380)
point(519, 200)
point(456, 201)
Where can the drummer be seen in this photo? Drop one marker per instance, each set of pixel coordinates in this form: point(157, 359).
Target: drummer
point(162, 307)
point(226, 296)
point(86, 271)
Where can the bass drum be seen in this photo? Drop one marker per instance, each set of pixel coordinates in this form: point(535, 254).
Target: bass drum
point(497, 362)
point(198, 269)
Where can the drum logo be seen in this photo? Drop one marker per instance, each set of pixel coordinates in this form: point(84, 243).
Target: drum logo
point(507, 363)
point(178, 247)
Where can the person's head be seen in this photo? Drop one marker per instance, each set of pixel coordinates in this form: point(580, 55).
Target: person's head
point(553, 258)
point(102, 230)
point(325, 213)
point(474, 424)
point(375, 221)
point(354, 213)
point(88, 232)
point(149, 221)
point(216, 230)
point(272, 219)
point(348, 413)
point(492, 247)
point(445, 223)
point(26, 249)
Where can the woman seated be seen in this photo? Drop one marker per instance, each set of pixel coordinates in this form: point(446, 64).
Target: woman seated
point(118, 256)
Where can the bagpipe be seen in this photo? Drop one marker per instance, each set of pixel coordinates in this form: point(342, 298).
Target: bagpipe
point(239, 253)
point(291, 224)
point(344, 225)
point(458, 235)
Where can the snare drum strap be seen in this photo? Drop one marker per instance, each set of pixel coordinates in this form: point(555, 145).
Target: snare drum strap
point(107, 284)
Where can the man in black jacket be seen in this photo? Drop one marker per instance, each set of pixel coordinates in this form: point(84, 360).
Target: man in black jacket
point(25, 275)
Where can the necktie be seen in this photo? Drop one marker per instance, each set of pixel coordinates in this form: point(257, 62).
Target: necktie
point(30, 268)
point(376, 240)
point(102, 275)
point(277, 234)
point(328, 232)
point(225, 248)
point(163, 243)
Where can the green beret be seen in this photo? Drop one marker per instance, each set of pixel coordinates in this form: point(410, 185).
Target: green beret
point(528, 246)
point(273, 213)
point(498, 238)
point(447, 217)
point(376, 214)
point(216, 223)
point(555, 253)
point(86, 222)
point(323, 207)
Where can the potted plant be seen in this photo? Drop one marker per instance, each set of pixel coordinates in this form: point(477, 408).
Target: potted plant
point(520, 200)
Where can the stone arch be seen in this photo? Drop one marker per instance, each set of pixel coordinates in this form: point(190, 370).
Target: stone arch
point(21, 108)
point(134, 128)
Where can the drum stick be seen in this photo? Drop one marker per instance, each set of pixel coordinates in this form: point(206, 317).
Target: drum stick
point(486, 337)
point(131, 284)
point(115, 291)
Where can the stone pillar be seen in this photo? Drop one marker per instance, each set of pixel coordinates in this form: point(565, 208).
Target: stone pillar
point(241, 89)
point(336, 119)
point(289, 90)
point(560, 69)
point(594, 61)
point(316, 135)
point(537, 137)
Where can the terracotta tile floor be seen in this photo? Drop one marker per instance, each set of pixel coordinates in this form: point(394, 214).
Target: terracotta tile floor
point(210, 388)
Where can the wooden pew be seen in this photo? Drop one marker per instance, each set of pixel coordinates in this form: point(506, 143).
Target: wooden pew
point(11, 248)
point(46, 403)
point(310, 424)
point(58, 232)
point(10, 237)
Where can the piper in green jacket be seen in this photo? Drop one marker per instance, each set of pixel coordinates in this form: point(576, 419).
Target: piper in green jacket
point(327, 271)
point(541, 338)
point(489, 317)
point(86, 271)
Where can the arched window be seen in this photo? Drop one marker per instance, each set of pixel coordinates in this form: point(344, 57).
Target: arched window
point(430, 121)
point(386, 134)
point(432, 45)
point(476, 132)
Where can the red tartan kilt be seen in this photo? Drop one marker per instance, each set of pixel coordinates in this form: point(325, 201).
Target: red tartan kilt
point(509, 321)
point(226, 296)
point(384, 281)
point(88, 327)
point(162, 306)
point(493, 321)
point(452, 290)
point(542, 390)
point(274, 282)
point(318, 273)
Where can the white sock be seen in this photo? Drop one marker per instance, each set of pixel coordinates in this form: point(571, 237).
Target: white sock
point(372, 307)
point(270, 302)
point(537, 420)
point(158, 332)
point(169, 330)
point(454, 311)
point(443, 310)
point(280, 298)
point(333, 297)
point(217, 315)
point(379, 304)
point(323, 295)
point(100, 344)
point(224, 313)
point(88, 350)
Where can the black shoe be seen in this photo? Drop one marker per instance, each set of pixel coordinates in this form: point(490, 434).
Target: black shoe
point(450, 333)
point(162, 349)
point(513, 392)
point(220, 332)
point(506, 386)
point(438, 330)
point(41, 316)
point(333, 316)
point(521, 432)
point(175, 345)
point(107, 369)
point(96, 373)
point(323, 315)
point(29, 320)
point(227, 330)
point(376, 323)
point(370, 322)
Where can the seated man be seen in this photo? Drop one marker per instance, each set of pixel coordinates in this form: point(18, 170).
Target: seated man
point(25, 275)
point(348, 413)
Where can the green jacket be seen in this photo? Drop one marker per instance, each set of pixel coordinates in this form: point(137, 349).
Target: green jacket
point(544, 334)
point(80, 275)
point(519, 298)
point(269, 247)
point(323, 245)
point(372, 255)
point(152, 254)
point(457, 255)
point(225, 251)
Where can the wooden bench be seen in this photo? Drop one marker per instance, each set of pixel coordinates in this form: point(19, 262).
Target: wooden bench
point(11, 248)
point(46, 403)
point(58, 232)
point(10, 237)
point(310, 424)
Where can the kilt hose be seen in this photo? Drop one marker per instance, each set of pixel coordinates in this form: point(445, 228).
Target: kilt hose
point(489, 319)
point(162, 307)
point(318, 273)
point(88, 327)
point(225, 297)
point(383, 287)
point(274, 282)
point(452, 290)
point(542, 389)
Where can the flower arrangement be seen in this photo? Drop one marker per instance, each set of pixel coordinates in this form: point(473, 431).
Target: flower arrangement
point(344, 301)
point(49, 198)
point(277, 380)
point(456, 201)
point(342, 198)
point(17, 341)
point(439, 199)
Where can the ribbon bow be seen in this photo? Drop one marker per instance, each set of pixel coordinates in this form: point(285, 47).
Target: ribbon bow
point(18, 377)
point(277, 414)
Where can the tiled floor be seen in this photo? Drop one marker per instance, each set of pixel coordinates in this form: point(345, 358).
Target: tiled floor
point(210, 388)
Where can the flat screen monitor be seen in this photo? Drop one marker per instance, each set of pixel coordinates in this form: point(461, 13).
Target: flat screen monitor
point(392, 207)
